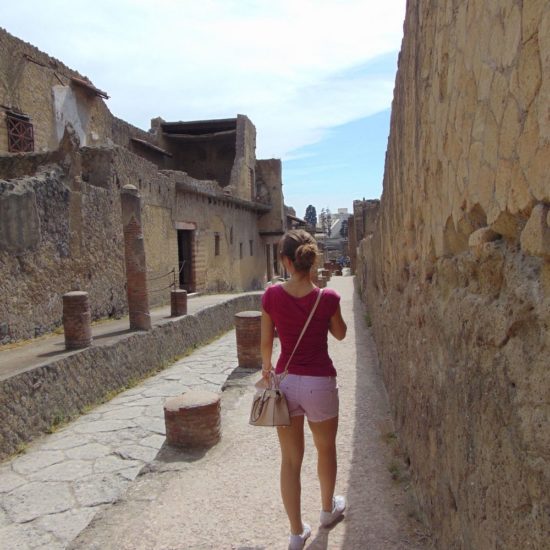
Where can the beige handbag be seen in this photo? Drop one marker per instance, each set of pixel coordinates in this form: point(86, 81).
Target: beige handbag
point(269, 406)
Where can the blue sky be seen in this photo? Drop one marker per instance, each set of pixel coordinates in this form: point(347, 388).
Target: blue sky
point(315, 76)
point(347, 164)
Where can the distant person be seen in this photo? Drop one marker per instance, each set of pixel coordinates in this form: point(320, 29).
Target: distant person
point(310, 385)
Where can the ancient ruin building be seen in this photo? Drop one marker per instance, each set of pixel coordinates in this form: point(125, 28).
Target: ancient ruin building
point(458, 268)
point(212, 213)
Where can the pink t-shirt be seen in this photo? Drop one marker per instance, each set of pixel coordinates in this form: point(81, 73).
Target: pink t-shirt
point(289, 315)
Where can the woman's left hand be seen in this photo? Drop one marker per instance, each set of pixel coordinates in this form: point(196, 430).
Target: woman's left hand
point(266, 373)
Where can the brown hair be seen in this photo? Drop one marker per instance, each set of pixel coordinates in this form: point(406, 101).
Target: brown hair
point(300, 248)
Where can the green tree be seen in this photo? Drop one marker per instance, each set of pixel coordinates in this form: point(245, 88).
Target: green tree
point(311, 216)
point(329, 223)
point(323, 220)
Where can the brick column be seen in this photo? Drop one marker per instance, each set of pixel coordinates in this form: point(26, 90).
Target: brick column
point(248, 330)
point(134, 254)
point(178, 302)
point(193, 419)
point(77, 320)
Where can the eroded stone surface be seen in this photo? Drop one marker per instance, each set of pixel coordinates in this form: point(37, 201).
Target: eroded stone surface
point(66, 525)
point(27, 464)
point(9, 480)
point(460, 318)
point(36, 499)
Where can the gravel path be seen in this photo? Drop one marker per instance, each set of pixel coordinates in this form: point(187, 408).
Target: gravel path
point(228, 498)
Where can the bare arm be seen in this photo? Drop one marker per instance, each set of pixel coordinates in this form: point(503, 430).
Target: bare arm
point(266, 345)
point(337, 325)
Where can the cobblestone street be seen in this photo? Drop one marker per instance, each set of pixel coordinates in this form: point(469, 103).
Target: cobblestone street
point(225, 498)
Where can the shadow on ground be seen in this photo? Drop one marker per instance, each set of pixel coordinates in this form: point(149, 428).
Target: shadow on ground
point(378, 487)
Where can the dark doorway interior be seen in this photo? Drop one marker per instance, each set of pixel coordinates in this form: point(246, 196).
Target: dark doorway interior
point(268, 259)
point(185, 259)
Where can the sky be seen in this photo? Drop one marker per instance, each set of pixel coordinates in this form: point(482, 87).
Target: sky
point(316, 77)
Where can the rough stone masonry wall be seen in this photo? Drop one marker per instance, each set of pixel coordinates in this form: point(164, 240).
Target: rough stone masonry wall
point(54, 239)
point(458, 268)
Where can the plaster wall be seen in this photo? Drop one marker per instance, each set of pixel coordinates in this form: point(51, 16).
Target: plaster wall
point(457, 272)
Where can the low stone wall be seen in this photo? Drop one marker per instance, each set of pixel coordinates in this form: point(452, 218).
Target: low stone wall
point(32, 401)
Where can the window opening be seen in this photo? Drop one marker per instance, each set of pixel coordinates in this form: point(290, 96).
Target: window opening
point(20, 133)
point(251, 244)
point(241, 251)
point(216, 244)
point(275, 259)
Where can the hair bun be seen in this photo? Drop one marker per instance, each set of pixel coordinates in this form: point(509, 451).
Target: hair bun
point(305, 256)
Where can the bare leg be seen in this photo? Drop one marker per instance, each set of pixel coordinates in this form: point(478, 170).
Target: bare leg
point(291, 440)
point(324, 436)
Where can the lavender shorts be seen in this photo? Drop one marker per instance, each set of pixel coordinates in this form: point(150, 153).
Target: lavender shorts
point(313, 396)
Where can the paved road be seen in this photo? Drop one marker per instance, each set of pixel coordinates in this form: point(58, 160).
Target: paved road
point(228, 498)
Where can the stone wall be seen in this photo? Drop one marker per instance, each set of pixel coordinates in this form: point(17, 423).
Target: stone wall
point(32, 401)
point(61, 230)
point(41, 87)
point(458, 268)
point(54, 239)
point(269, 189)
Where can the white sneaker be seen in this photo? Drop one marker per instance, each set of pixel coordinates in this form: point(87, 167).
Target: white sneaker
point(297, 542)
point(338, 508)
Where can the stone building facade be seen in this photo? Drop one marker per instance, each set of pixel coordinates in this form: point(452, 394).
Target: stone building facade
point(212, 213)
point(458, 268)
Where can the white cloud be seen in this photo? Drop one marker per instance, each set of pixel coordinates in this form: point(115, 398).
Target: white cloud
point(281, 62)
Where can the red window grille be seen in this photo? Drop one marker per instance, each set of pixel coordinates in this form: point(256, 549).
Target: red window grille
point(20, 134)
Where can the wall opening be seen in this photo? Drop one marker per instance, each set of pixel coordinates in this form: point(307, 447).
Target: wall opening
point(185, 259)
point(269, 270)
point(275, 258)
point(20, 133)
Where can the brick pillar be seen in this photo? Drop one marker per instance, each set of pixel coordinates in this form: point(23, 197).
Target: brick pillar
point(178, 302)
point(77, 320)
point(193, 419)
point(134, 255)
point(248, 329)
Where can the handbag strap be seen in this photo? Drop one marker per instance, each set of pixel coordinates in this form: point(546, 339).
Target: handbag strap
point(301, 334)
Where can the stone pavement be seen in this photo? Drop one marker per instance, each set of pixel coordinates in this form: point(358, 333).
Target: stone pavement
point(50, 493)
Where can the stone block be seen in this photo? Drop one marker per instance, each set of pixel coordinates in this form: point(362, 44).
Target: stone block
point(482, 236)
point(248, 334)
point(193, 420)
point(535, 237)
point(178, 302)
point(77, 320)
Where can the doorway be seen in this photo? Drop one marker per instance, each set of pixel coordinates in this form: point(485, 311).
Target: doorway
point(185, 259)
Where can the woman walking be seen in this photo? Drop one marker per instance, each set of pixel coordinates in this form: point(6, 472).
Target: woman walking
point(310, 385)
